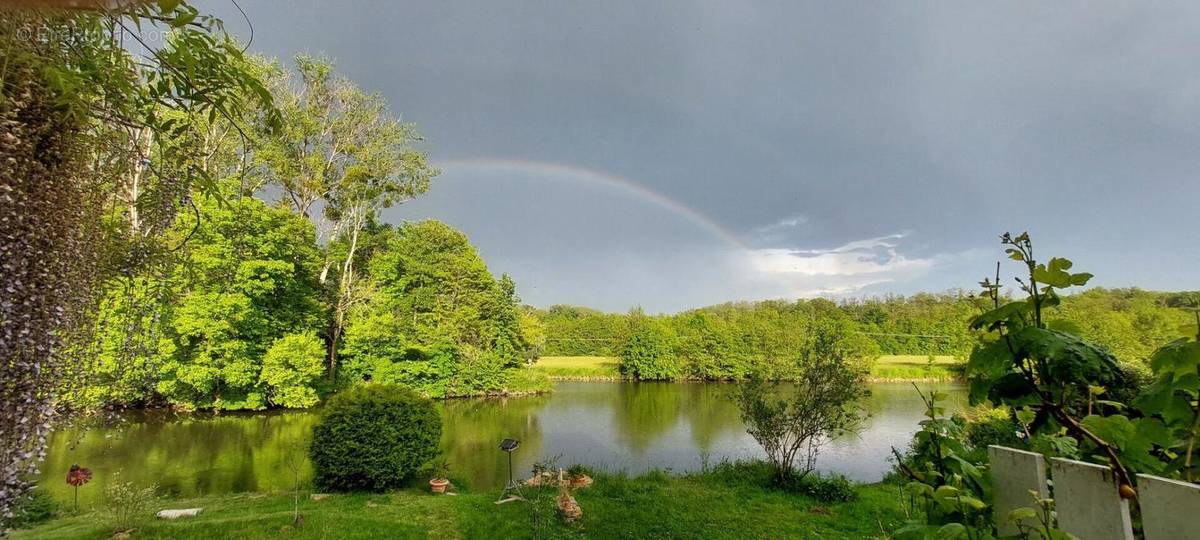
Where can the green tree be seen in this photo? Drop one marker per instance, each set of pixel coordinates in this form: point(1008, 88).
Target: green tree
point(436, 286)
point(647, 354)
point(793, 422)
point(247, 277)
point(509, 342)
point(291, 367)
point(533, 331)
point(341, 147)
point(433, 318)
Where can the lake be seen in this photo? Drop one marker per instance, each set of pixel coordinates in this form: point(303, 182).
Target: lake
point(611, 426)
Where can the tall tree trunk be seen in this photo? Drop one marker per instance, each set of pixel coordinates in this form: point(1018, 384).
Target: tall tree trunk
point(345, 296)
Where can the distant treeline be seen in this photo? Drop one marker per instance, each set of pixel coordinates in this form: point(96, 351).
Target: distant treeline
point(1129, 322)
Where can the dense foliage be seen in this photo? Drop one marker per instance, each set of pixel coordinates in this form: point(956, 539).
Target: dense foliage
point(247, 280)
point(252, 305)
point(373, 437)
point(242, 323)
point(647, 354)
point(433, 317)
point(730, 340)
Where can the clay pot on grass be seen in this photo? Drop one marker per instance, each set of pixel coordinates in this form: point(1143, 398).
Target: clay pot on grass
point(568, 507)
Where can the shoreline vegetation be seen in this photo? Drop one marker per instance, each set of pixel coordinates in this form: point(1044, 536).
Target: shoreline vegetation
point(885, 369)
point(727, 500)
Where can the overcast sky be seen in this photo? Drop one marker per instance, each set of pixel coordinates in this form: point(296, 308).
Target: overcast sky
point(673, 155)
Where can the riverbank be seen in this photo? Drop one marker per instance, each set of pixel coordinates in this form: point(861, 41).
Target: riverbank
point(729, 501)
point(888, 368)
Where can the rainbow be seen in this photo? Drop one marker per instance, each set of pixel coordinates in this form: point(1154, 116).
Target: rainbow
point(564, 172)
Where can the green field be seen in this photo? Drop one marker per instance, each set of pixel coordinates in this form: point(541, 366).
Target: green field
point(579, 367)
point(730, 502)
point(913, 367)
point(892, 367)
point(909, 359)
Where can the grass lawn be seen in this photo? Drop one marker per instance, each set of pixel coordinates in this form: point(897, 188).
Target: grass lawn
point(728, 502)
point(579, 367)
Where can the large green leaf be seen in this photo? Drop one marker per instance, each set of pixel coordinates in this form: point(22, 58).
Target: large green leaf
point(951, 531)
point(1009, 312)
point(991, 361)
point(1013, 389)
point(1055, 274)
point(1180, 357)
point(1068, 359)
point(1116, 430)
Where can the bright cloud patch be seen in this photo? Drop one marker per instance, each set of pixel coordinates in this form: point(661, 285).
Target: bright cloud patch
point(841, 270)
point(783, 224)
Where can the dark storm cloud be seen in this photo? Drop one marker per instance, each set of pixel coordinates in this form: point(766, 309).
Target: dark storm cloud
point(804, 128)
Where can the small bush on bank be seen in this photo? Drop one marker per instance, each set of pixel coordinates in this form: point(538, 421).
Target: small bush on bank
point(994, 426)
point(523, 380)
point(834, 488)
point(742, 472)
point(127, 505)
point(372, 438)
point(36, 507)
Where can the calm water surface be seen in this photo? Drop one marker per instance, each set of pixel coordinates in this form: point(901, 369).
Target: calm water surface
point(611, 426)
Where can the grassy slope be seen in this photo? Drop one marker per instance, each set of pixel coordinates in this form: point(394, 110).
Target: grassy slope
point(908, 367)
point(888, 367)
point(580, 367)
point(728, 504)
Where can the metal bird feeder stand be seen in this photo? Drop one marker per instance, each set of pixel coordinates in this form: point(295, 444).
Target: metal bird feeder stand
point(512, 492)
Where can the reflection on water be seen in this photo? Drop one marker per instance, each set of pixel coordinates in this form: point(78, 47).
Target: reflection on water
point(611, 426)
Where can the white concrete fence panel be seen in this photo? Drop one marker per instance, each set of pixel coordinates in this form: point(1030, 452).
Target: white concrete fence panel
point(1087, 501)
point(1086, 498)
point(1170, 508)
point(1014, 474)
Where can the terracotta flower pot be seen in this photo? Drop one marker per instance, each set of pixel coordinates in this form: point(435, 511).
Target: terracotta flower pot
point(438, 485)
point(569, 508)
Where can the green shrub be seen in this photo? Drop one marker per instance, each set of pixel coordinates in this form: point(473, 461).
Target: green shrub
point(35, 507)
point(578, 470)
point(994, 426)
point(523, 380)
point(127, 505)
point(738, 473)
point(373, 437)
point(834, 488)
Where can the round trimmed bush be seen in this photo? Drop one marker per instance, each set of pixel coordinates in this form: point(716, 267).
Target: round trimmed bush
point(373, 437)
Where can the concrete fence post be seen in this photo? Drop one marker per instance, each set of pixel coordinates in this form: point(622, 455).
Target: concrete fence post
point(1014, 474)
point(1087, 501)
point(1170, 508)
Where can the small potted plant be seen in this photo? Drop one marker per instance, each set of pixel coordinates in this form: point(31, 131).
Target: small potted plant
point(578, 477)
point(440, 470)
point(541, 475)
